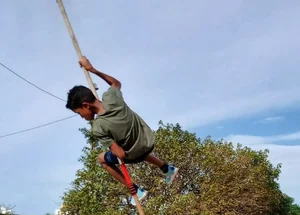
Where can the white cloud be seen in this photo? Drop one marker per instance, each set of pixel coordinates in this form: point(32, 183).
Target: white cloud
point(231, 81)
point(255, 140)
point(287, 155)
point(220, 110)
point(271, 119)
point(292, 136)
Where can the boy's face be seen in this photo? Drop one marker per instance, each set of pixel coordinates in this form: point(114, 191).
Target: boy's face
point(85, 112)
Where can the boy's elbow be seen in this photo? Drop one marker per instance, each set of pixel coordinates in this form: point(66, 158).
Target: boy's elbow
point(117, 85)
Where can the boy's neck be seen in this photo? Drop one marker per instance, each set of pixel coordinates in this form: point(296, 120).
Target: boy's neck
point(99, 107)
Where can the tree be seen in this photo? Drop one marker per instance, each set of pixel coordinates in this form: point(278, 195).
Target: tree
point(214, 178)
point(93, 191)
point(287, 206)
point(7, 209)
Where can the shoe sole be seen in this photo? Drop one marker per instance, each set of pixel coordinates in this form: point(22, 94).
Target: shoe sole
point(174, 175)
point(145, 194)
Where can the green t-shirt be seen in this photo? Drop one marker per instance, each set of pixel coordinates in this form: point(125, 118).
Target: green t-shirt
point(121, 125)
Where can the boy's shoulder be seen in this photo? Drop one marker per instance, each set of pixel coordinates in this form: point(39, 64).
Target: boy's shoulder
point(112, 100)
point(112, 93)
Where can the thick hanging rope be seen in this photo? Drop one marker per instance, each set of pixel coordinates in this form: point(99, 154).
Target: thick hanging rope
point(92, 87)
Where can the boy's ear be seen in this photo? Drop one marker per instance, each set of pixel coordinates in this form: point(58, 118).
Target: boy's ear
point(86, 105)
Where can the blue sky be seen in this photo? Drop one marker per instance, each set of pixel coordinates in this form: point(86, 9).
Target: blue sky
point(225, 69)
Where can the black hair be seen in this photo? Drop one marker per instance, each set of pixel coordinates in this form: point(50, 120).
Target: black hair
point(77, 95)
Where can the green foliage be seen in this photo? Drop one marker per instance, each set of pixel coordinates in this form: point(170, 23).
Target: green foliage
point(214, 178)
point(7, 209)
point(287, 207)
point(93, 189)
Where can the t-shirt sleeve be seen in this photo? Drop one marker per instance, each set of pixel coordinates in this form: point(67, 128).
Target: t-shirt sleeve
point(102, 136)
point(105, 141)
point(113, 96)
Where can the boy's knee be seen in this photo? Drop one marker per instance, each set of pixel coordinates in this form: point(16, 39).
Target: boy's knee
point(107, 159)
point(101, 159)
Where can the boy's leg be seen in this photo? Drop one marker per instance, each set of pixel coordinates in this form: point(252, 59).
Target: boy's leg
point(169, 170)
point(154, 160)
point(108, 161)
point(113, 170)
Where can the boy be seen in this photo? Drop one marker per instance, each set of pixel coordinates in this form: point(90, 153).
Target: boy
point(118, 128)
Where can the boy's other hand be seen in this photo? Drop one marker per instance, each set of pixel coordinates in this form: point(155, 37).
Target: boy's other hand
point(85, 63)
point(117, 150)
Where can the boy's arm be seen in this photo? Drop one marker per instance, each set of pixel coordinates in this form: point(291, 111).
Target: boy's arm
point(107, 141)
point(108, 79)
point(117, 150)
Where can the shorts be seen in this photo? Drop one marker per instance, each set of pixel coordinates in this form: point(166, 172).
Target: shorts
point(111, 159)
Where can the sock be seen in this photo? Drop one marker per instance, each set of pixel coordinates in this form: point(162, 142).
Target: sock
point(135, 187)
point(165, 168)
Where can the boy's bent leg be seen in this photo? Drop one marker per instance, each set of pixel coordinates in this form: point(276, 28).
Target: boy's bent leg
point(108, 161)
point(154, 160)
point(157, 162)
point(169, 170)
point(112, 169)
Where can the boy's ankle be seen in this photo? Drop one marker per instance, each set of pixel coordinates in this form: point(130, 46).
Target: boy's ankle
point(135, 187)
point(164, 168)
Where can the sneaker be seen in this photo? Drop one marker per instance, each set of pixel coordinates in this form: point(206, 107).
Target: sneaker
point(141, 194)
point(170, 175)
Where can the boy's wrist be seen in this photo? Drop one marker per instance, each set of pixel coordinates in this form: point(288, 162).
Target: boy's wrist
point(92, 70)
